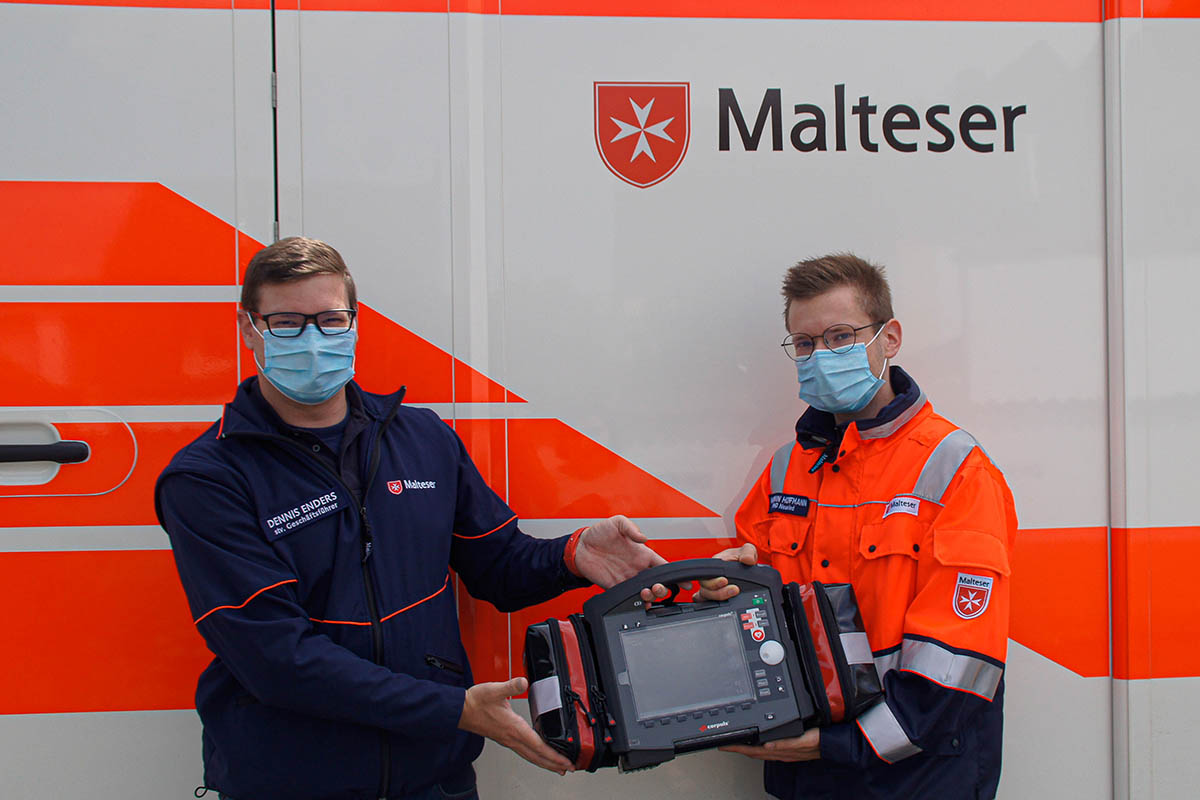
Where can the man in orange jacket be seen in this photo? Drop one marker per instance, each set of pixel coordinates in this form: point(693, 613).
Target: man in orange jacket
point(880, 491)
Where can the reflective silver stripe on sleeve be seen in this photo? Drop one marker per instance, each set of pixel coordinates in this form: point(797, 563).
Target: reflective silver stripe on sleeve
point(883, 731)
point(942, 465)
point(953, 670)
point(779, 465)
point(886, 663)
point(857, 648)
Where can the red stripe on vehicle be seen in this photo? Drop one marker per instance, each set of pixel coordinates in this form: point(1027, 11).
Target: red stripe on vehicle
point(96, 631)
point(934, 10)
point(114, 234)
point(118, 354)
point(1155, 627)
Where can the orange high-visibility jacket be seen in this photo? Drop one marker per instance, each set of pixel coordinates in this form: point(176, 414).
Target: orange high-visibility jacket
point(911, 511)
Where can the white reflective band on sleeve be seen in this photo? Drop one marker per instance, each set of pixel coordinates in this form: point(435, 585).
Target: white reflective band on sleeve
point(883, 731)
point(886, 663)
point(544, 695)
point(857, 648)
point(943, 464)
point(779, 465)
point(950, 669)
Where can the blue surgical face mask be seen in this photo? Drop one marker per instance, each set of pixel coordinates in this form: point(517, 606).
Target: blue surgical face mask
point(309, 368)
point(840, 383)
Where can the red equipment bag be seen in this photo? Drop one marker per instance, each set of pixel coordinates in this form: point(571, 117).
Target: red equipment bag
point(565, 700)
point(831, 641)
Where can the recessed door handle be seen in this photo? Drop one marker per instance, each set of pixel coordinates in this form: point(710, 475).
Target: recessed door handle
point(71, 452)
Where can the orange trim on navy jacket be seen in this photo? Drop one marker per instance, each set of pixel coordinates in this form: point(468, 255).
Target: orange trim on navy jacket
point(389, 616)
point(489, 533)
point(244, 602)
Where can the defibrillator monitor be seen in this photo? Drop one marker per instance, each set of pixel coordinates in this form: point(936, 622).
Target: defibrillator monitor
point(672, 670)
point(690, 676)
point(634, 684)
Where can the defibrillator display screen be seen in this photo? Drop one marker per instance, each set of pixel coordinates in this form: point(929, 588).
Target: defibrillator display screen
point(687, 665)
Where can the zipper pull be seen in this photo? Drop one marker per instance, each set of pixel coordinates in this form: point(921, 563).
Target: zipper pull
point(367, 539)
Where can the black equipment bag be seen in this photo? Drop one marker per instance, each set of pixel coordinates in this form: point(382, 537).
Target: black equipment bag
point(827, 630)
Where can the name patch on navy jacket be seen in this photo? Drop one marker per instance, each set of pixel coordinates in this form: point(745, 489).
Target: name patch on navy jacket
point(795, 504)
point(301, 514)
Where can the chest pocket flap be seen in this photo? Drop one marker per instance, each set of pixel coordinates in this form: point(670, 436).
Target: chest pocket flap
point(783, 534)
point(898, 536)
point(966, 548)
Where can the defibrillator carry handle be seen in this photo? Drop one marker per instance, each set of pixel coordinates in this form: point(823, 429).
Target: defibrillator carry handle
point(671, 575)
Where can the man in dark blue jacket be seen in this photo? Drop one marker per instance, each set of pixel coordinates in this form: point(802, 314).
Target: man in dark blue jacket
point(315, 527)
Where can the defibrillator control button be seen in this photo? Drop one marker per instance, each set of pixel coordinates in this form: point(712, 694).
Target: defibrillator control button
point(764, 692)
point(760, 673)
point(771, 652)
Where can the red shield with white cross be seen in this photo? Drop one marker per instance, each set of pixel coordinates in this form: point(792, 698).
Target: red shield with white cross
point(395, 487)
point(642, 129)
point(971, 595)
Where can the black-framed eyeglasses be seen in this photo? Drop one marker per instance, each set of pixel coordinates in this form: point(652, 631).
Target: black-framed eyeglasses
point(288, 324)
point(838, 338)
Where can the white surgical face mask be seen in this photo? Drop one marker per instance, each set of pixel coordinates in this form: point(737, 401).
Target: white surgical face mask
point(309, 368)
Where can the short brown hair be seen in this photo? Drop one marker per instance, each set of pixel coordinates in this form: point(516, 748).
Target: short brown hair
point(819, 275)
point(292, 259)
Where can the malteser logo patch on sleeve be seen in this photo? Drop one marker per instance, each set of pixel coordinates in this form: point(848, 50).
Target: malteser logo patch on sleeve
point(303, 513)
point(903, 505)
point(971, 595)
point(794, 504)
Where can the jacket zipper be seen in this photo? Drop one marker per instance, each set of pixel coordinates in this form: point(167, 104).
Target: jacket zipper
point(385, 749)
point(441, 663)
point(385, 745)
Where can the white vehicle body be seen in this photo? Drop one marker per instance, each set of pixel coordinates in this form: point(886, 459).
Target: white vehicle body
point(602, 346)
